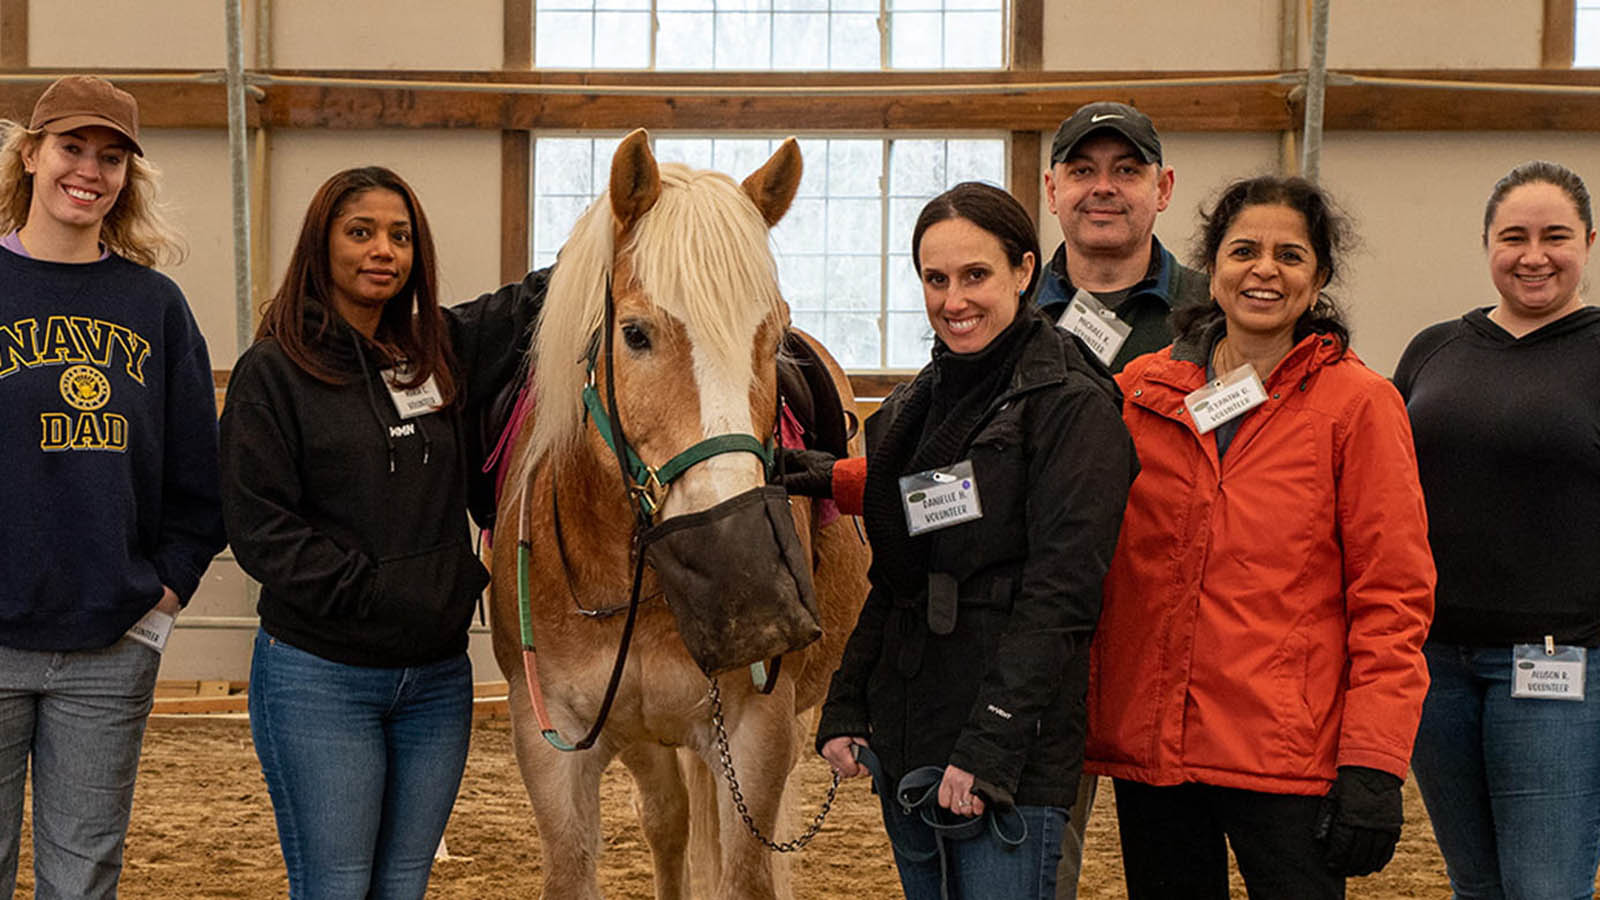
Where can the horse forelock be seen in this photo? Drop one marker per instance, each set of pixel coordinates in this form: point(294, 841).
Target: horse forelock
point(701, 254)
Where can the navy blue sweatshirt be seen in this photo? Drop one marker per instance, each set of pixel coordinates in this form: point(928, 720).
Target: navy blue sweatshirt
point(1508, 448)
point(108, 445)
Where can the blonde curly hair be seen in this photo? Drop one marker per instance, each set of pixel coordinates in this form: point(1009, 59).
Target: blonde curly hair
point(134, 229)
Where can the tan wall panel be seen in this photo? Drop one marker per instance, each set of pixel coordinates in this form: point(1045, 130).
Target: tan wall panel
point(1161, 34)
point(368, 34)
point(1442, 33)
point(455, 174)
point(195, 188)
point(188, 34)
point(1418, 202)
point(1202, 164)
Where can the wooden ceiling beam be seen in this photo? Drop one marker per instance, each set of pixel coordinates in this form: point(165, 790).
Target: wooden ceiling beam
point(1036, 104)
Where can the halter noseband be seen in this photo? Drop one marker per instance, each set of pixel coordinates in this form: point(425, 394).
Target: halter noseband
point(648, 485)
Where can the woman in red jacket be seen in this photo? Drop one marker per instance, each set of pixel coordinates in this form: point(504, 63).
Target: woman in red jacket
point(1257, 675)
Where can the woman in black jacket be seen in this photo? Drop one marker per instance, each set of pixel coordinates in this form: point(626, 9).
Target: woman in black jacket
point(346, 451)
point(995, 487)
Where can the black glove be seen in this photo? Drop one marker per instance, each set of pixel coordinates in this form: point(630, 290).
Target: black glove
point(1359, 821)
point(807, 473)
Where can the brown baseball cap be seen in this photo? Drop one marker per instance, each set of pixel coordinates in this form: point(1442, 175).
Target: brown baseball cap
point(77, 101)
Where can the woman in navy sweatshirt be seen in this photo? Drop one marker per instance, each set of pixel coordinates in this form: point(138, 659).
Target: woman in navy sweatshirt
point(108, 442)
point(345, 456)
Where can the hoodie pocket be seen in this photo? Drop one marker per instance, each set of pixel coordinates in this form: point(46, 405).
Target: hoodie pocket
point(428, 582)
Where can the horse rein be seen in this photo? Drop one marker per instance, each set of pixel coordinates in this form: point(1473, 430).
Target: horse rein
point(647, 488)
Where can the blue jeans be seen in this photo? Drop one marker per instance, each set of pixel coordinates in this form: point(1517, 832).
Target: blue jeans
point(1512, 786)
point(981, 867)
point(80, 715)
point(362, 765)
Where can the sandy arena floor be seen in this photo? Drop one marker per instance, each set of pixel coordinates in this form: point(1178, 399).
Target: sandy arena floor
point(202, 828)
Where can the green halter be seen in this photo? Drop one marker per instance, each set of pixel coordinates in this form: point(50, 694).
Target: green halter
point(649, 485)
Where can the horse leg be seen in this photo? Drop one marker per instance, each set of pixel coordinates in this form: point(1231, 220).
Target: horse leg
point(663, 808)
point(705, 836)
point(761, 739)
point(564, 789)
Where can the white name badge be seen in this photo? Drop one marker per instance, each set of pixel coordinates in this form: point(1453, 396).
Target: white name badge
point(939, 498)
point(1229, 397)
point(412, 402)
point(1095, 325)
point(153, 630)
point(1547, 671)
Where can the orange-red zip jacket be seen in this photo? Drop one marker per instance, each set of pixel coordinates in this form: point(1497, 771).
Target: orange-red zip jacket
point(1264, 614)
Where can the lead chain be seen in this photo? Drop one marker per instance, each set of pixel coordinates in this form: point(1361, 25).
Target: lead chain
point(798, 843)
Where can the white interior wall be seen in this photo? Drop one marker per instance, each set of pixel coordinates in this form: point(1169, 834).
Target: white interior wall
point(1160, 35)
point(1385, 34)
point(194, 189)
point(386, 34)
point(171, 34)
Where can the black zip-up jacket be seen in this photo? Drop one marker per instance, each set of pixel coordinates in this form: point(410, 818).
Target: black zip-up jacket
point(1001, 695)
point(353, 519)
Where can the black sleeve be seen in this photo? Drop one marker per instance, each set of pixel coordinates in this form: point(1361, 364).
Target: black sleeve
point(1417, 353)
point(491, 336)
point(844, 712)
point(1081, 466)
point(261, 501)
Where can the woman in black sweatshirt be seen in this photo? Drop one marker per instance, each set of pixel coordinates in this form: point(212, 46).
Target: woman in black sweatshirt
point(1505, 412)
point(345, 458)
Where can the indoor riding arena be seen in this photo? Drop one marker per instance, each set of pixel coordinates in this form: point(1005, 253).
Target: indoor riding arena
point(506, 118)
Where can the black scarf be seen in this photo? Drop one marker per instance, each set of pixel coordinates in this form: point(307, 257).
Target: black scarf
point(943, 406)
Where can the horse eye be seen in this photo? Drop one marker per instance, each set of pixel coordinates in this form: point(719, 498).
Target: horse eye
point(635, 337)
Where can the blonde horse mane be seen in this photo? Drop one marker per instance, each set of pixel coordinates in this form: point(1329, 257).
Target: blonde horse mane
point(701, 247)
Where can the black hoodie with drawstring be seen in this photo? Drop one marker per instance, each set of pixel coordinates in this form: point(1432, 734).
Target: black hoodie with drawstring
point(354, 519)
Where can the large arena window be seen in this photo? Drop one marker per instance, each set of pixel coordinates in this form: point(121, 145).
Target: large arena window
point(843, 250)
point(769, 34)
point(1586, 34)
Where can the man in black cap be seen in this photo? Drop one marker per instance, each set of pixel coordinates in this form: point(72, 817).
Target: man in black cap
point(1106, 184)
point(1111, 283)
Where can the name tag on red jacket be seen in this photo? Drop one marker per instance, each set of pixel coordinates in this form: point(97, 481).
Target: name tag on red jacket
point(1229, 397)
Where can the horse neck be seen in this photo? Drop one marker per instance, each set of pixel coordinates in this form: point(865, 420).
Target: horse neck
point(597, 519)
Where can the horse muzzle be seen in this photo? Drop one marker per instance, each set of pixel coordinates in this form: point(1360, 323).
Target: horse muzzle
point(737, 580)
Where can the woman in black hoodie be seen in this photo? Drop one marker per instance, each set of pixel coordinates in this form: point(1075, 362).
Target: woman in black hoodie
point(345, 462)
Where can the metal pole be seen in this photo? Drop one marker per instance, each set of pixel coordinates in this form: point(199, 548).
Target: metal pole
point(1316, 90)
point(243, 308)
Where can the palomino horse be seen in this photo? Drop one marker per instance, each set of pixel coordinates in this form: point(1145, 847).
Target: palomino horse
point(694, 335)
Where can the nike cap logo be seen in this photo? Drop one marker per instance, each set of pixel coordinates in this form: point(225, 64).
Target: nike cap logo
point(1100, 117)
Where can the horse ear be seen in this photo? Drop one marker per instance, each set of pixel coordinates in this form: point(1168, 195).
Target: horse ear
point(635, 179)
point(772, 186)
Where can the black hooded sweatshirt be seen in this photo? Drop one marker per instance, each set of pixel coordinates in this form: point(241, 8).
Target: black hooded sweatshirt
point(1508, 449)
point(354, 519)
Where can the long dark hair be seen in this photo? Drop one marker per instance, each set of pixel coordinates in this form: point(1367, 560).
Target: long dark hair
point(1540, 171)
point(411, 319)
point(1327, 227)
point(991, 209)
